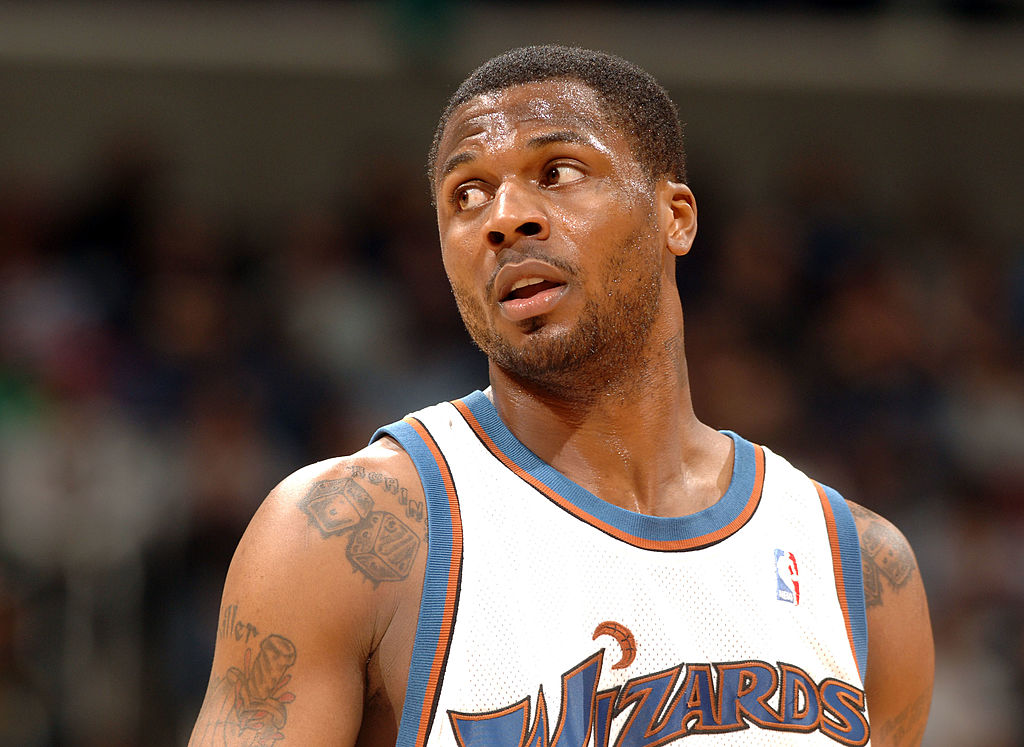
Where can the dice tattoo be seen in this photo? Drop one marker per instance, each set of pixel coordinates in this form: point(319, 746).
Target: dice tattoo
point(383, 547)
point(380, 545)
point(335, 506)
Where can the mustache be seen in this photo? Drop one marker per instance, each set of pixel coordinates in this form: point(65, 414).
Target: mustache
point(509, 257)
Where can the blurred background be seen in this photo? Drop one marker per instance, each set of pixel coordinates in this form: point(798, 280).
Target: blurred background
point(218, 263)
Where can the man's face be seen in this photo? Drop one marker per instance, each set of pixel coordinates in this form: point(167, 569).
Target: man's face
point(548, 233)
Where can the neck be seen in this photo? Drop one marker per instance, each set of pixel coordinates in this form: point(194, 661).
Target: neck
point(635, 443)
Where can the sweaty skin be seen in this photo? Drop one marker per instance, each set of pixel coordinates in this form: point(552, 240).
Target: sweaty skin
point(568, 381)
point(561, 250)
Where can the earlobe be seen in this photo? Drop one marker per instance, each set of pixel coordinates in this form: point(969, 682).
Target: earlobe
point(680, 210)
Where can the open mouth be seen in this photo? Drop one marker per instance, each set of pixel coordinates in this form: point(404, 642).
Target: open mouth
point(528, 288)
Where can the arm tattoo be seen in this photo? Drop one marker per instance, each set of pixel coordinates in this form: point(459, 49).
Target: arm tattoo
point(907, 727)
point(413, 509)
point(380, 545)
point(232, 627)
point(883, 556)
point(674, 344)
point(247, 707)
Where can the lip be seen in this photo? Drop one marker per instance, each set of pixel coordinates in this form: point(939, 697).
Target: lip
point(517, 309)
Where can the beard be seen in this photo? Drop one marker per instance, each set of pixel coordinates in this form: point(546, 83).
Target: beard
point(599, 351)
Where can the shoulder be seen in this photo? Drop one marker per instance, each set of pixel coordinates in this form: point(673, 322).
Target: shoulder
point(333, 536)
point(336, 496)
point(886, 556)
point(901, 656)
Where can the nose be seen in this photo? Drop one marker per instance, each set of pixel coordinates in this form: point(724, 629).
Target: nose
point(515, 214)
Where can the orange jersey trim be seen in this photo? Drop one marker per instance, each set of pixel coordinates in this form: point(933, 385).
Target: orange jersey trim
point(690, 543)
point(444, 641)
point(837, 568)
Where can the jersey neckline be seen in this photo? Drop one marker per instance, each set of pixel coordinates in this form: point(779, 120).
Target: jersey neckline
point(666, 533)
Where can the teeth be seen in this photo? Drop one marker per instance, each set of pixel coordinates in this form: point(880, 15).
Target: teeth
point(525, 282)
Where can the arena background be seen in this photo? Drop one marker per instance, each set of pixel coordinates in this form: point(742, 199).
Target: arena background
point(218, 263)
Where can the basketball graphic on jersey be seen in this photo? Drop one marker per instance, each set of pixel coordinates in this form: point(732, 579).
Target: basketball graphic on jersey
point(622, 634)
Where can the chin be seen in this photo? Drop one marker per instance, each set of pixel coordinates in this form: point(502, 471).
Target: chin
point(552, 357)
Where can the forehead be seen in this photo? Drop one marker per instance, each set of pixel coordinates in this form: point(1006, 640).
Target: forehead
point(501, 116)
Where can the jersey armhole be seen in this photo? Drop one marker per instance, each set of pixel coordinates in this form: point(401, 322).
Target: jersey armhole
point(441, 580)
point(845, 542)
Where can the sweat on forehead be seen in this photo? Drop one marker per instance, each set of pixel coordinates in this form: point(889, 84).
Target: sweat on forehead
point(566, 105)
point(633, 100)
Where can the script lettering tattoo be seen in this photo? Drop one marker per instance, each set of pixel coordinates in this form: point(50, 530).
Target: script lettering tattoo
point(380, 545)
point(247, 707)
point(907, 727)
point(233, 628)
point(414, 509)
point(883, 556)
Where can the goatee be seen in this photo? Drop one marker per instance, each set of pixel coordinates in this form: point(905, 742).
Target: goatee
point(595, 354)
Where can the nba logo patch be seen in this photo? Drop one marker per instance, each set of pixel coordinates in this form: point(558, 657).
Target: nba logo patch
point(788, 577)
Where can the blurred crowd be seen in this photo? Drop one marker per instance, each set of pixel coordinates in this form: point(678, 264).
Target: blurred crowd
point(163, 366)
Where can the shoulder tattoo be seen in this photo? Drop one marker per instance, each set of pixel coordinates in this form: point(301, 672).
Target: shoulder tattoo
point(886, 557)
point(380, 545)
point(248, 705)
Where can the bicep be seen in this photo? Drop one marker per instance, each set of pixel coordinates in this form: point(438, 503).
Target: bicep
point(901, 656)
point(274, 688)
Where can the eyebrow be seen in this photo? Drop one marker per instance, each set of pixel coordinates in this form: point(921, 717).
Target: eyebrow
point(454, 162)
point(560, 136)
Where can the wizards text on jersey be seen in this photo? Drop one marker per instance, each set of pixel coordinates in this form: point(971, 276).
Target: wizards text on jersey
point(713, 698)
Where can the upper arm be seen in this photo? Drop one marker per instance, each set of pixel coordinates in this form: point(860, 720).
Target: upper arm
point(901, 655)
point(305, 605)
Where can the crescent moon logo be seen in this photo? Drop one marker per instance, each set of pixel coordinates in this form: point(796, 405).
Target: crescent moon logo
point(622, 634)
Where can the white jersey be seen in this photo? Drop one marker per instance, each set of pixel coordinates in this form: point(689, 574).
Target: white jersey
point(550, 617)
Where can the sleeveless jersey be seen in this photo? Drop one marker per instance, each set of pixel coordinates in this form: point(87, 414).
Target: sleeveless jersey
point(552, 618)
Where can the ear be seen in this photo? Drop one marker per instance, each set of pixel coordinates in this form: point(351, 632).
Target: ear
point(678, 216)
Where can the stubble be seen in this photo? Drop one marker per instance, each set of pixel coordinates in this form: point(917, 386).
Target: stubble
point(597, 353)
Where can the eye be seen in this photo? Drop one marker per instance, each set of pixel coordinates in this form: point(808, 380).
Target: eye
point(469, 196)
point(562, 173)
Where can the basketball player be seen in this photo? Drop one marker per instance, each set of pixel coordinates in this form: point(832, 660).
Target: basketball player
point(569, 557)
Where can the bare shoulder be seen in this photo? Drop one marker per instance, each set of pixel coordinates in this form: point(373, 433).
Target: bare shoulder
point(901, 657)
point(311, 591)
point(888, 560)
point(344, 498)
point(325, 513)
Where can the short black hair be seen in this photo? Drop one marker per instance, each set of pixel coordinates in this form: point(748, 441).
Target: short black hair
point(634, 100)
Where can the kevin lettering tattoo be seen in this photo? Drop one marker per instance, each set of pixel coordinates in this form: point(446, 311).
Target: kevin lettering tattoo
point(413, 509)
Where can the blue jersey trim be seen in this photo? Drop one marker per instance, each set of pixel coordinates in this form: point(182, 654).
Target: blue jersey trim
point(435, 580)
point(853, 576)
point(654, 528)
